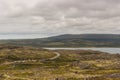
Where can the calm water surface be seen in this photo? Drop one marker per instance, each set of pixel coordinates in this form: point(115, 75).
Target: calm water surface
point(108, 50)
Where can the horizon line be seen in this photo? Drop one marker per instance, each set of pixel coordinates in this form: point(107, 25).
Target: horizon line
point(19, 38)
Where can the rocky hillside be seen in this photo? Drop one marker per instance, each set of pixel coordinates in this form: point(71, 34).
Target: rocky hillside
point(28, 63)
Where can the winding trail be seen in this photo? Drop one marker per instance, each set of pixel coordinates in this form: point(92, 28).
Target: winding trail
point(23, 61)
point(55, 57)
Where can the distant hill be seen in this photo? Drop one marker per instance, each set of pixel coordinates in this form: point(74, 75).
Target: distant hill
point(70, 40)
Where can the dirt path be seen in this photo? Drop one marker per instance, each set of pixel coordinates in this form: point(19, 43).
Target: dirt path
point(55, 57)
point(23, 61)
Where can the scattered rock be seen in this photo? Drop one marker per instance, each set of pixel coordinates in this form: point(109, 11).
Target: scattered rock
point(114, 75)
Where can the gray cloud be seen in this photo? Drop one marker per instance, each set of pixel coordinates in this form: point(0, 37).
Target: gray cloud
point(51, 17)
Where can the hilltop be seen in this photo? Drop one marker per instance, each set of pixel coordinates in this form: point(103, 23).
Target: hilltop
point(70, 40)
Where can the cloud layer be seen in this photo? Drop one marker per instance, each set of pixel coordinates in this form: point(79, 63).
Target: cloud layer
point(52, 17)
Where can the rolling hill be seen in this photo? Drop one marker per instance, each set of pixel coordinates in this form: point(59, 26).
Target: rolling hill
point(29, 63)
point(70, 40)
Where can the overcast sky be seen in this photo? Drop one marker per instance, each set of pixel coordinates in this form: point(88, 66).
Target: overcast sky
point(41, 18)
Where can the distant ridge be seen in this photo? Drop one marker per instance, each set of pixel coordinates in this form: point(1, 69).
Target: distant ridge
point(70, 40)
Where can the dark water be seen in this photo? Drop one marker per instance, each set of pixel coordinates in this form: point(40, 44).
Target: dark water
point(108, 50)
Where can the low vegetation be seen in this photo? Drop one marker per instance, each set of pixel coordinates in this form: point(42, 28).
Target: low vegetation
point(27, 63)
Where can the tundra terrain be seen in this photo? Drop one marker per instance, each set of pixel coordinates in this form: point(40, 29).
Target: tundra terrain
point(28, 63)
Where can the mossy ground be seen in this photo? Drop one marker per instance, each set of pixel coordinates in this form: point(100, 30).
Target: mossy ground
point(71, 65)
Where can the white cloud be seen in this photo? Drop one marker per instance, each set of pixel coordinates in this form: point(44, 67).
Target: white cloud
point(51, 17)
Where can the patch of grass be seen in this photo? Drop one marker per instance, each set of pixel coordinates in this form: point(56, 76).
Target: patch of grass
point(70, 65)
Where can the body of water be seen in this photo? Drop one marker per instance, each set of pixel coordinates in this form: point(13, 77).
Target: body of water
point(108, 50)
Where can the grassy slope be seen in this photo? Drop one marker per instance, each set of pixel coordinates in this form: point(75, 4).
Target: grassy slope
point(71, 65)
